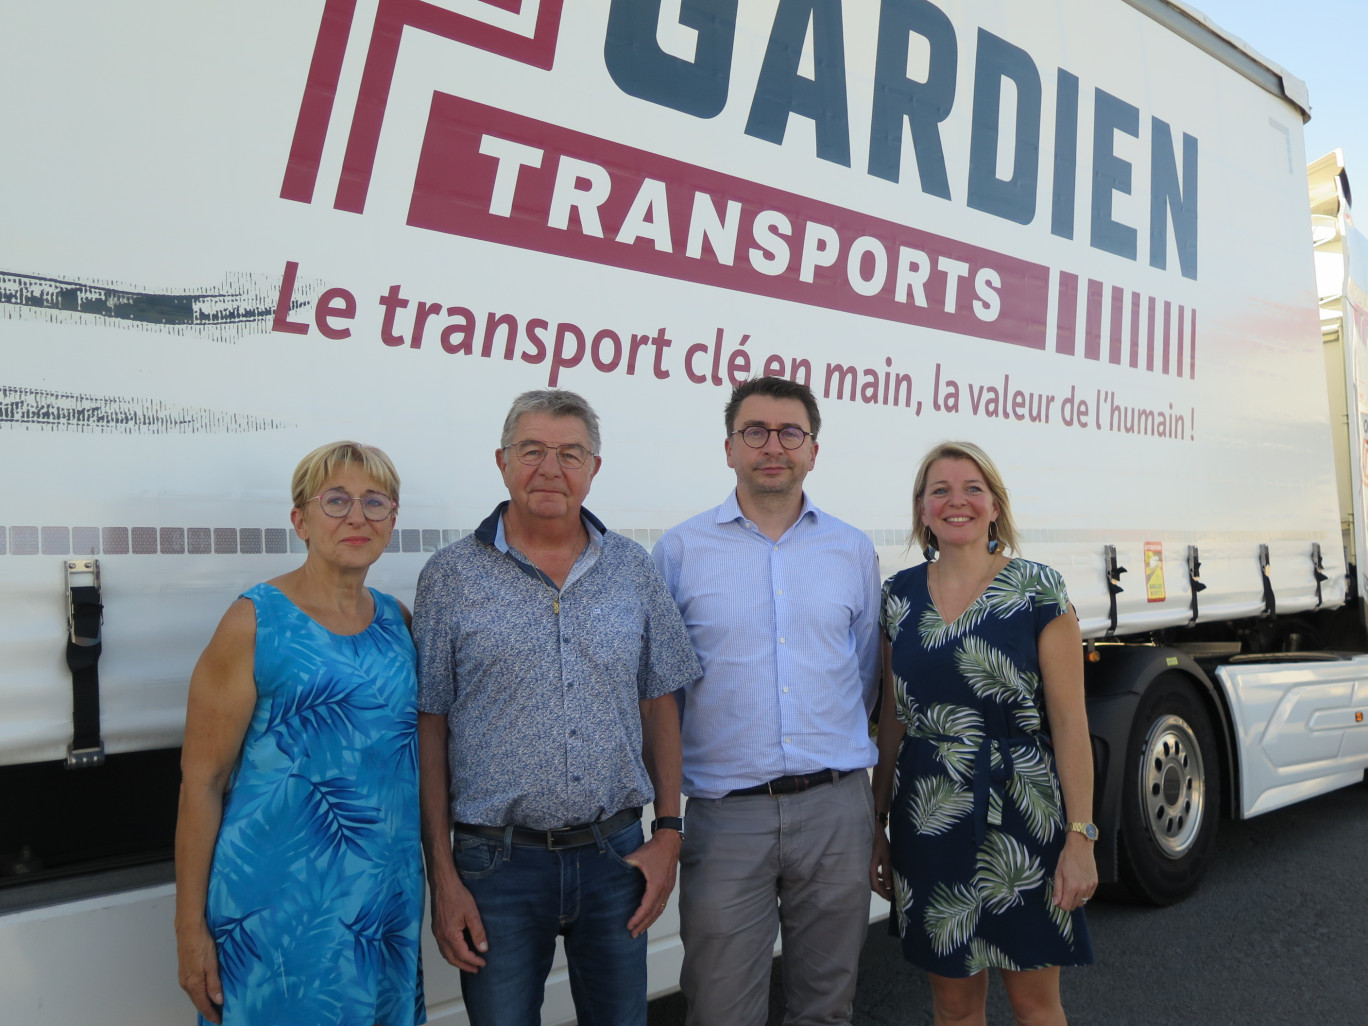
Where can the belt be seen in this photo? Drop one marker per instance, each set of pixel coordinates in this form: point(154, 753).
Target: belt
point(990, 775)
point(555, 840)
point(790, 784)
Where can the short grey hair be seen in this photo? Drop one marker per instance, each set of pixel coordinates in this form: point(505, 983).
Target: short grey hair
point(558, 403)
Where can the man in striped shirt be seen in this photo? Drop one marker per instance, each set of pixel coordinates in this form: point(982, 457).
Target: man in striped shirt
point(781, 602)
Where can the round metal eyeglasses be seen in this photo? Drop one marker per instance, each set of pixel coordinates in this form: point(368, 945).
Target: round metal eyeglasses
point(571, 456)
point(336, 503)
point(789, 437)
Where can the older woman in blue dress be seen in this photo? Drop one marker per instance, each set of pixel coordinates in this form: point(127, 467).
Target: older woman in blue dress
point(985, 771)
point(299, 881)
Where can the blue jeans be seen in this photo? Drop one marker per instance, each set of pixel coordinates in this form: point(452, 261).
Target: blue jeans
point(528, 896)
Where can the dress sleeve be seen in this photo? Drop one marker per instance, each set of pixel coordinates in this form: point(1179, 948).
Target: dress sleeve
point(1050, 599)
point(892, 610)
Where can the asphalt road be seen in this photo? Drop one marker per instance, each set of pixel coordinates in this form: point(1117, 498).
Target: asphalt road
point(1276, 934)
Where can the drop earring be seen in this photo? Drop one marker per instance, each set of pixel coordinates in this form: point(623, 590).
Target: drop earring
point(993, 544)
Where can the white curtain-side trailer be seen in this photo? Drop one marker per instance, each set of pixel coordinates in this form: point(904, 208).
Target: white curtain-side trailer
point(1073, 231)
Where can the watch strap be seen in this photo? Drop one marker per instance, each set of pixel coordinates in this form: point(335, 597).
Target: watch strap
point(668, 823)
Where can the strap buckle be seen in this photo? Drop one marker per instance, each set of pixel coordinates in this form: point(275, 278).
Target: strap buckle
point(85, 758)
point(85, 614)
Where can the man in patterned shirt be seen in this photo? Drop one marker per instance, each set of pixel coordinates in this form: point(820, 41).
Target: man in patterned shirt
point(781, 601)
point(549, 654)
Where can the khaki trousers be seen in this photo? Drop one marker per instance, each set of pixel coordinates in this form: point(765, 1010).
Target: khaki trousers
point(755, 868)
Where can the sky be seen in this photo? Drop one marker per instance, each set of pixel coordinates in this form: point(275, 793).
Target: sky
point(1325, 44)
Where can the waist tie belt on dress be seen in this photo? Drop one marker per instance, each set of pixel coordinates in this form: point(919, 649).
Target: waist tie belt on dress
point(987, 776)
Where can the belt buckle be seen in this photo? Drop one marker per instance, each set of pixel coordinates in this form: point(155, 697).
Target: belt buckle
point(560, 839)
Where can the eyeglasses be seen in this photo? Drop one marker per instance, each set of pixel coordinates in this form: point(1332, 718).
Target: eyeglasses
point(336, 503)
point(571, 456)
point(789, 437)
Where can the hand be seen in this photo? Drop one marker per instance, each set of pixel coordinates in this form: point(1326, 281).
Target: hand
point(657, 859)
point(881, 866)
point(1075, 877)
point(199, 976)
point(454, 915)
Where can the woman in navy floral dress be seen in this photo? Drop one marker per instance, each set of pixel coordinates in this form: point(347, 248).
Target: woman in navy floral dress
point(985, 771)
point(299, 880)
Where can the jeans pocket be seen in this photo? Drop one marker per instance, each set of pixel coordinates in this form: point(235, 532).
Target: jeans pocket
point(476, 858)
point(623, 843)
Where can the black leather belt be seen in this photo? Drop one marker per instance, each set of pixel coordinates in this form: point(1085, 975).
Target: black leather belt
point(555, 840)
point(791, 784)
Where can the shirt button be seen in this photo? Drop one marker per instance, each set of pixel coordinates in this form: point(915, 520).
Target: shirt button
point(786, 691)
point(781, 641)
point(780, 591)
point(572, 733)
point(787, 740)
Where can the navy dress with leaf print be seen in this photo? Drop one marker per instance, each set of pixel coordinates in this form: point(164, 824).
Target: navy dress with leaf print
point(316, 891)
point(976, 825)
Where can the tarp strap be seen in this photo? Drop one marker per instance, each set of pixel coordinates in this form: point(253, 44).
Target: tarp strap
point(1317, 570)
point(1194, 567)
point(1114, 588)
point(85, 613)
point(1270, 602)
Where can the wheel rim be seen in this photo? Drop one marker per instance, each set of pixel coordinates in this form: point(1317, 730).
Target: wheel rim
point(1172, 786)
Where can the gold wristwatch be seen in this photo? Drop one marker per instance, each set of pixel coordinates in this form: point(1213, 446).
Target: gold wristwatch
point(1086, 829)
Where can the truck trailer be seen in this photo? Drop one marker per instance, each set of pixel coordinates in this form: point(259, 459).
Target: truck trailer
point(1075, 232)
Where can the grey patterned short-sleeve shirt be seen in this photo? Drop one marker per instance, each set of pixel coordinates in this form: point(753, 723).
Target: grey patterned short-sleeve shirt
point(541, 706)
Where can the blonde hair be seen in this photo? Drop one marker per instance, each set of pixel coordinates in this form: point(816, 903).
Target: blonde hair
point(921, 535)
point(326, 460)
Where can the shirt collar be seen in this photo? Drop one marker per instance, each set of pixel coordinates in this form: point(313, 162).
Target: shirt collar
point(730, 510)
point(491, 529)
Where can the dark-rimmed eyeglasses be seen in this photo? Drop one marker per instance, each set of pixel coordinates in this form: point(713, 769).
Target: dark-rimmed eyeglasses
point(789, 437)
point(570, 456)
point(336, 503)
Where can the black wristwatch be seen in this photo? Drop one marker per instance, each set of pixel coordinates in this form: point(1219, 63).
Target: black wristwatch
point(669, 823)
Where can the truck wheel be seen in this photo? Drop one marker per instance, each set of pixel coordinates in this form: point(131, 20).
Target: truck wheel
point(1171, 797)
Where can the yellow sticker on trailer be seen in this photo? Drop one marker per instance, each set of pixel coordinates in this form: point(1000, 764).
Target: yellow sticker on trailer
point(1154, 572)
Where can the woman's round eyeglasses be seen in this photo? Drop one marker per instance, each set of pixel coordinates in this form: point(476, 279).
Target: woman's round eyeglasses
point(336, 503)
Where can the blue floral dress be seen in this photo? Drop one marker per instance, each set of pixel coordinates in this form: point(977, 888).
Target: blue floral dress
point(977, 825)
point(316, 891)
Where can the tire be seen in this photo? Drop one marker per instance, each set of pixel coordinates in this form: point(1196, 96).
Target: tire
point(1171, 793)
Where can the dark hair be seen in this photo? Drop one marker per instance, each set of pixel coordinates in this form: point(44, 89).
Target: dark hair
point(775, 388)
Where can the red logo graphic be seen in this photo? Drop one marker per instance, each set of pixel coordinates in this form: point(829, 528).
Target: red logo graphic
point(391, 18)
point(494, 175)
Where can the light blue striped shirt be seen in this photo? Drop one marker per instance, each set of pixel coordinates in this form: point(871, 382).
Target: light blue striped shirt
point(787, 635)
